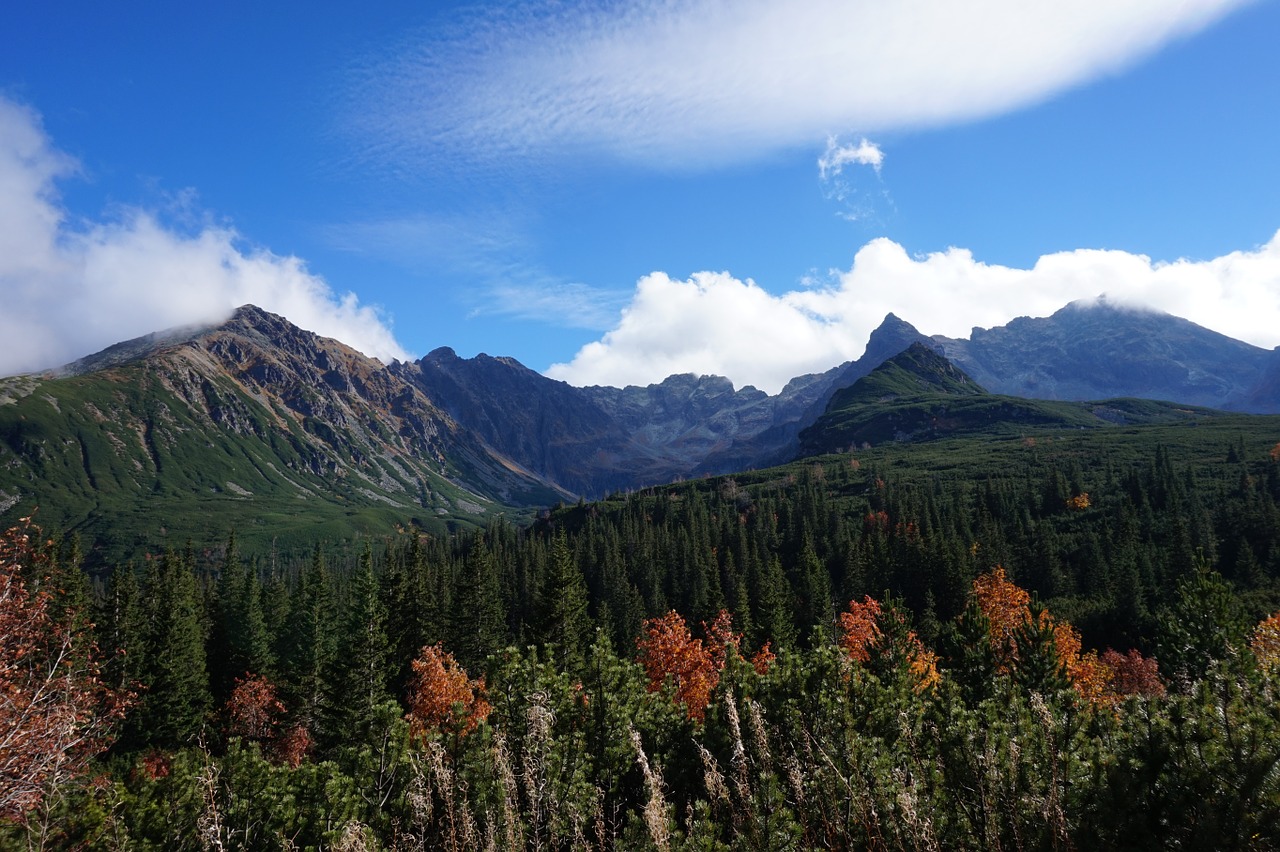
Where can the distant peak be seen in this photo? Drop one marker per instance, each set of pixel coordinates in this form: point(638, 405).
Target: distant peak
point(1102, 303)
point(892, 320)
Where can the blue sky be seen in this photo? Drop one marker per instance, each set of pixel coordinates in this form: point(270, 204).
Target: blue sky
point(613, 192)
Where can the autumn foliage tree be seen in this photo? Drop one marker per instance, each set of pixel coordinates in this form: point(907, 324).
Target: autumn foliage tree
point(1132, 673)
point(55, 711)
point(1265, 641)
point(1099, 680)
point(863, 635)
point(668, 650)
point(254, 709)
point(442, 697)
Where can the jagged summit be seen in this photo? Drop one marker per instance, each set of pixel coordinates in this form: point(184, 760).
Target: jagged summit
point(1098, 349)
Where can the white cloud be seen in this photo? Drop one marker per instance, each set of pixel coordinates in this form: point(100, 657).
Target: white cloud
point(70, 289)
point(716, 324)
point(832, 162)
point(856, 203)
point(682, 83)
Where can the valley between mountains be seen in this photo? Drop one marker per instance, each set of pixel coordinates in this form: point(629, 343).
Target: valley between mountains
point(290, 438)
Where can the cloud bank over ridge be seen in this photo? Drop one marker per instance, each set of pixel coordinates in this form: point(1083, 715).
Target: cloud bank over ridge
point(713, 323)
point(695, 83)
point(72, 288)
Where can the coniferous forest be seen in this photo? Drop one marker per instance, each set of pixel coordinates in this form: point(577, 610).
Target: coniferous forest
point(997, 643)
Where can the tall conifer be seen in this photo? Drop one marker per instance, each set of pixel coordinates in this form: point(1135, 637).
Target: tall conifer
point(310, 641)
point(562, 605)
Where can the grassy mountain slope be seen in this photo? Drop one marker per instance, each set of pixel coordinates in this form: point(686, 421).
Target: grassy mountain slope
point(919, 395)
point(255, 424)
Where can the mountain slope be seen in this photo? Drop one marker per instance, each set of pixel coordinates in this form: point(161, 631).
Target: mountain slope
point(1099, 350)
point(919, 395)
point(254, 423)
point(597, 440)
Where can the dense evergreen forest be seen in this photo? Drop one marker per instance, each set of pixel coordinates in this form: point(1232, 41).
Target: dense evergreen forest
point(1054, 642)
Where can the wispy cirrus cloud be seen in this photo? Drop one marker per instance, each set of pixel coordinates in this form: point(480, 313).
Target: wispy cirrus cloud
point(492, 251)
point(713, 323)
point(694, 83)
point(73, 287)
point(567, 305)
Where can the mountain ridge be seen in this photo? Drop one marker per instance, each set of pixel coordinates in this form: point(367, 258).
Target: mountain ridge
point(919, 395)
point(253, 419)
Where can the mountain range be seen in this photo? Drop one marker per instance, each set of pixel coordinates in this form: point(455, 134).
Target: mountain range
point(260, 425)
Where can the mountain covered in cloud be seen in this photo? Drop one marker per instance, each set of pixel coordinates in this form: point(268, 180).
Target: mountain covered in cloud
point(593, 440)
point(919, 395)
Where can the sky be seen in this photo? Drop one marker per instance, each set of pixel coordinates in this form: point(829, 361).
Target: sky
point(612, 192)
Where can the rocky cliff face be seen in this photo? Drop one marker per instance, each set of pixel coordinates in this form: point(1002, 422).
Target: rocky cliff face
point(590, 440)
point(599, 439)
point(257, 407)
point(596, 440)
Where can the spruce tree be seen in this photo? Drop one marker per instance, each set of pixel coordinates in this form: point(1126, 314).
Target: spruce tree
point(771, 595)
point(310, 642)
point(244, 626)
point(357, 680)
point(477, 617)
point(562, 606)
point(175, 678)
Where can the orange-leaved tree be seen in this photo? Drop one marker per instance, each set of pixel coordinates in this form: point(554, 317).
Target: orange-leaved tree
point(1099, 680)
point(55, 711)
point(442, 697)
point(863, 634)
point(668, 650)
point(1265, 642)
point(254, 709)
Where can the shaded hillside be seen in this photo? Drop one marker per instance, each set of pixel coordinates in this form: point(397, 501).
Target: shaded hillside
point(919, 395)
point(596, 440)
point(255, 424)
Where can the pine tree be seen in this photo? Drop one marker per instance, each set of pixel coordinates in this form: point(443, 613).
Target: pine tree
point(174, 674)
point(1204, 623)
point(562, 606)
point(357, 680)
point(310, 642)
